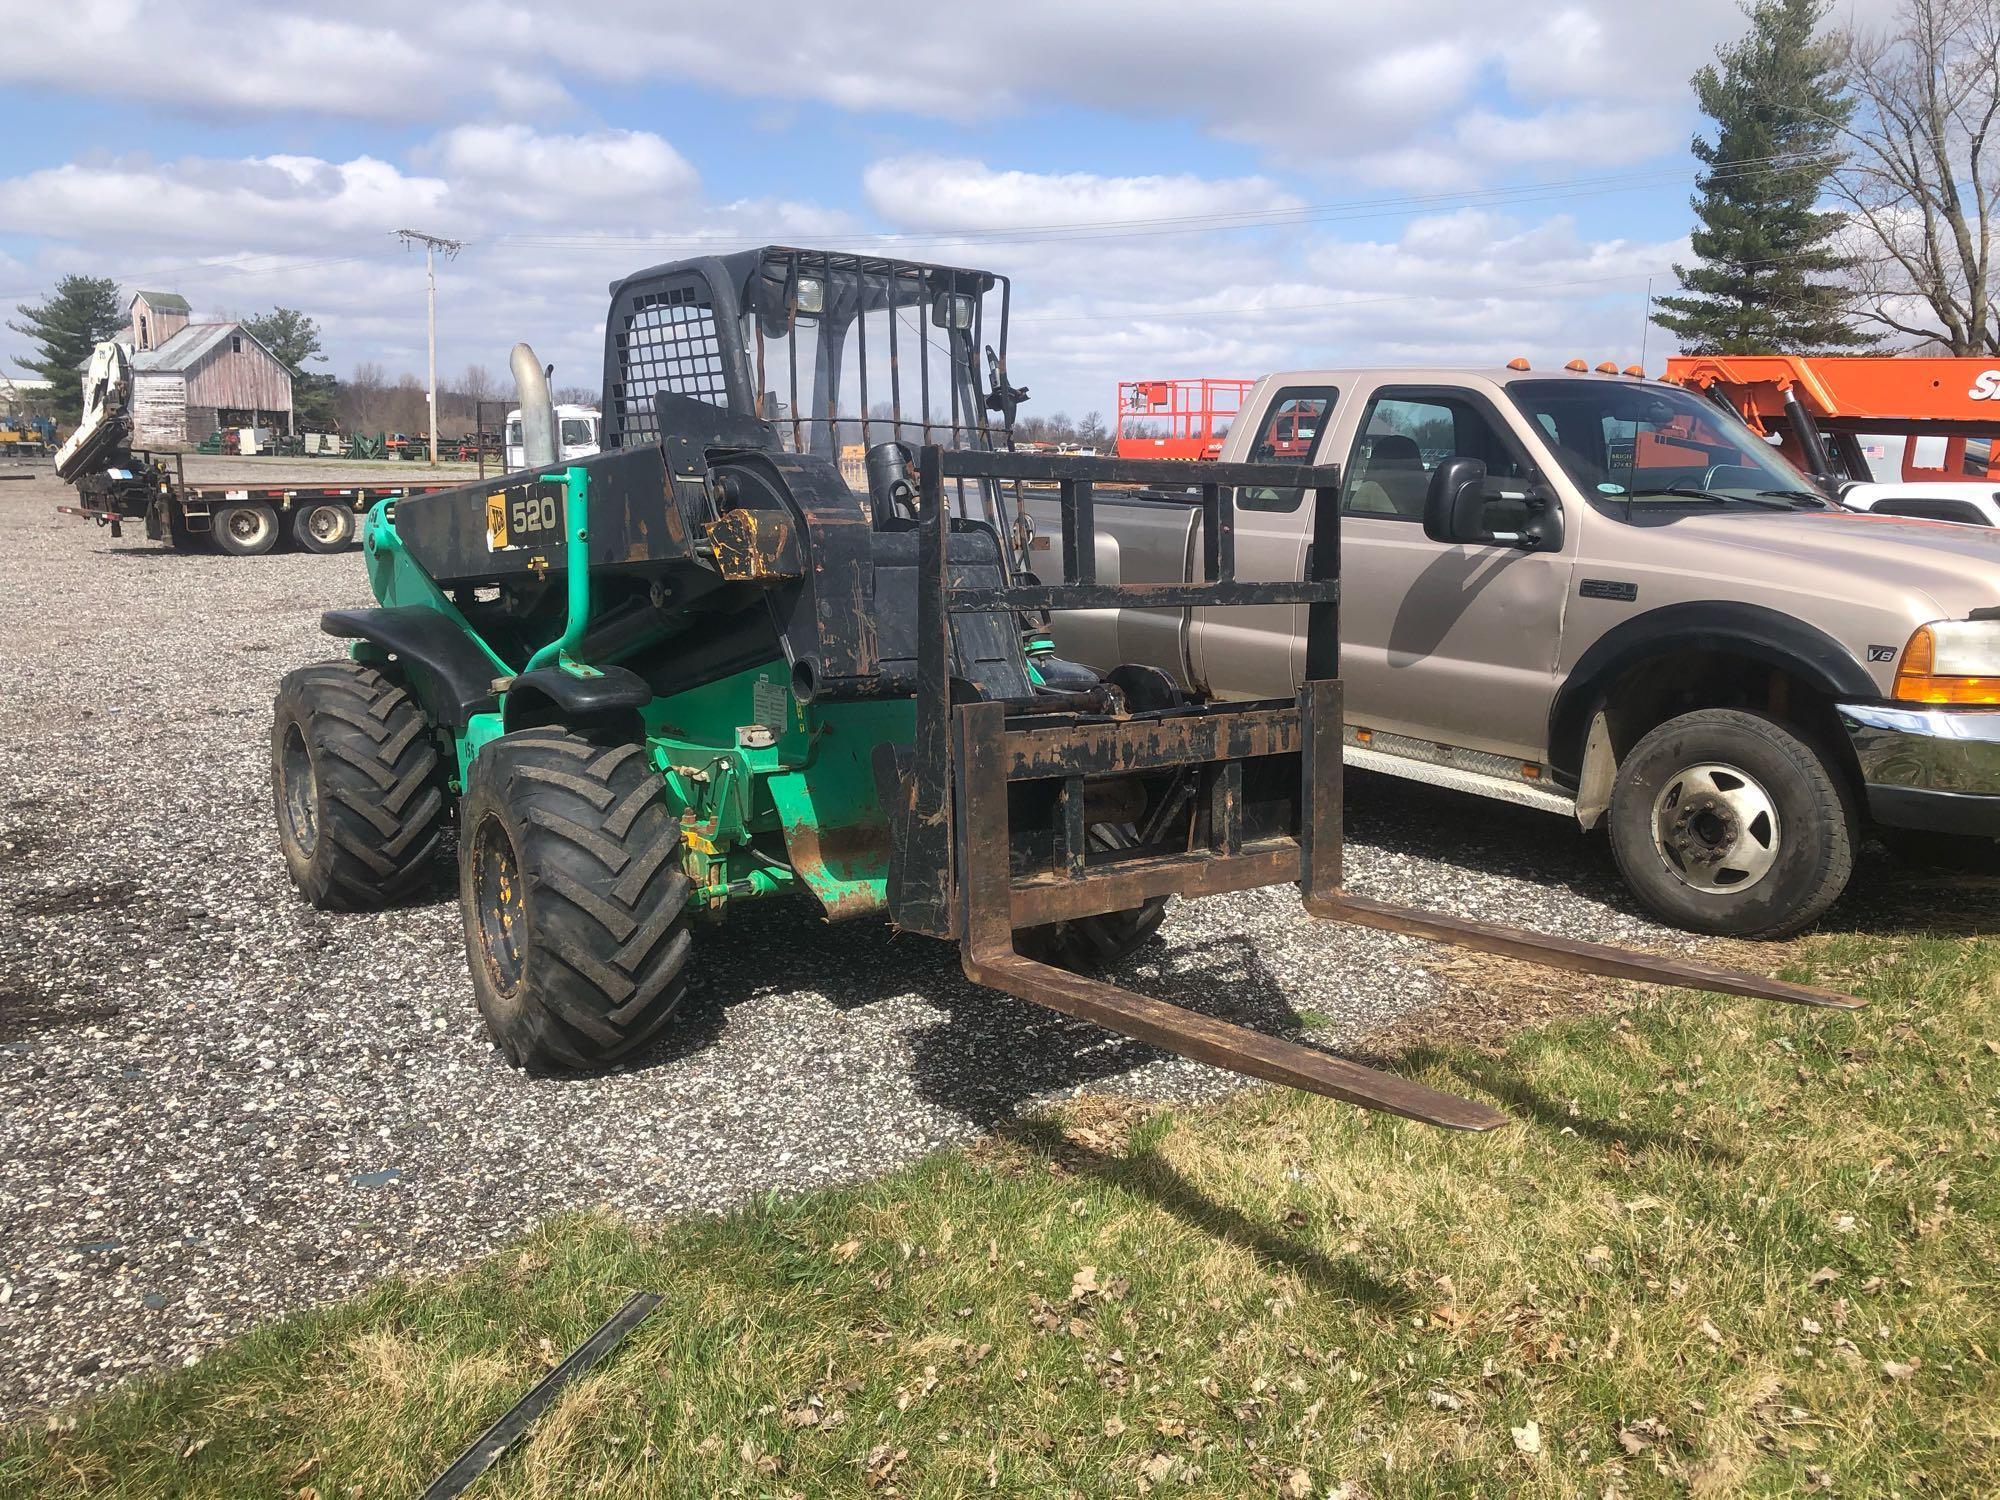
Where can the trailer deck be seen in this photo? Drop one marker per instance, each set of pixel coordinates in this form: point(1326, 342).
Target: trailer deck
point(154, 489)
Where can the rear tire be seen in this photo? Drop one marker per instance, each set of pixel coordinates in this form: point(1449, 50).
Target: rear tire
point(245, 528)
point(1728, 822)
point(1088, 945)
point(356, 783)
point(576, 928)
point(323, 526)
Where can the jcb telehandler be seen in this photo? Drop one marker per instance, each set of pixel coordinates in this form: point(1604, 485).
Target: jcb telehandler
point(780, 637)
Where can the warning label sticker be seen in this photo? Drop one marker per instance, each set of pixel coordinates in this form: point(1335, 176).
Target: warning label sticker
point(771, 702)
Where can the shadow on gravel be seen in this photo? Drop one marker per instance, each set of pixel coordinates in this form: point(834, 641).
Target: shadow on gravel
point(994, 1052)
point(1147, 1175)
point(26, 1012)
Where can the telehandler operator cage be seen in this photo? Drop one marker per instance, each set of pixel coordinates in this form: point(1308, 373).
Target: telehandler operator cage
point(832, 349)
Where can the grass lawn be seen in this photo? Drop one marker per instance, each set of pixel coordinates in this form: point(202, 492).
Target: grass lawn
point(1729, 1249)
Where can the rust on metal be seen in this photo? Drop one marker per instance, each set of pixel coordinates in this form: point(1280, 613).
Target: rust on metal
point(990, 958)
point(750, 545)
point(1150, 744)
point(842, 865)
point(1214, 767)
point(1572, 953)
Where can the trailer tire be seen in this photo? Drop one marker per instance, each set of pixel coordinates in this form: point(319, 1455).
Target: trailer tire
point(575, 905)
point(1088, 945)
point(323, 526)
point(245, 528)
point(357, 785)
point(1729, 822)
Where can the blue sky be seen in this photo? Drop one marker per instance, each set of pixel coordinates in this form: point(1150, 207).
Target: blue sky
point(1435, 181)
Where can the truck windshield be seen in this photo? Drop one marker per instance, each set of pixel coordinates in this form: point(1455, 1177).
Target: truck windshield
point(1656, 445)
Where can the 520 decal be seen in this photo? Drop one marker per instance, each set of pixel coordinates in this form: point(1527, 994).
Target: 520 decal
point(531, 513)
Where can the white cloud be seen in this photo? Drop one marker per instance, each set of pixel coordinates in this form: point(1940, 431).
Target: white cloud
point(917, 192)
point(1316, 86)
point(1473, 285)
point(547, 176)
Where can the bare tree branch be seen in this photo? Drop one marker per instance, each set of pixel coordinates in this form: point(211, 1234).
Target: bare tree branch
point(1922, 182)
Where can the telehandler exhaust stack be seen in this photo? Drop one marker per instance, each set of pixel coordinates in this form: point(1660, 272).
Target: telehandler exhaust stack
point(538, 408)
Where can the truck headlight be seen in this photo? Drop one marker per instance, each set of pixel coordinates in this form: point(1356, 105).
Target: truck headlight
point(1951, 661)
point(812, 296)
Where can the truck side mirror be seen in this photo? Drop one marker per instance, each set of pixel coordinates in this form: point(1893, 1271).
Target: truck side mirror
point(1455, 502)
point(1463, 504)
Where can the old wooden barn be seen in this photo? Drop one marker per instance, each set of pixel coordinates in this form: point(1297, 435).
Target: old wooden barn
point(188, 379)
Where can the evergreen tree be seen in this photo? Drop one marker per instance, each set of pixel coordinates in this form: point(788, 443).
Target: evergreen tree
point(294, 339)
point(1767, 279)
point(82, 312)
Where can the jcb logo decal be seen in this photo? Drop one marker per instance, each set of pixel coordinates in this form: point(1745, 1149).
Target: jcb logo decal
point(1986, 386)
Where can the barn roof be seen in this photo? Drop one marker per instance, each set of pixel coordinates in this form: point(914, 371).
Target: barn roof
point(190, 346)
point(163, 301)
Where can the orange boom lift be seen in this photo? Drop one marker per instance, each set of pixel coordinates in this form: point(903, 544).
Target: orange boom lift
point(1820, 407)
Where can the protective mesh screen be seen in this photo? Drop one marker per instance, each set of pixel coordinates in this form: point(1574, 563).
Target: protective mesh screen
point(668, 343)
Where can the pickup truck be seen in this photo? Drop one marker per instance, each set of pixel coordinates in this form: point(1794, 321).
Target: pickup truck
point(1603, 597)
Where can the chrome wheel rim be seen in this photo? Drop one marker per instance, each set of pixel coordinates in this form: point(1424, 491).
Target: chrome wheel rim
point(246, 525)
point(1716, 828)
point(326, 524)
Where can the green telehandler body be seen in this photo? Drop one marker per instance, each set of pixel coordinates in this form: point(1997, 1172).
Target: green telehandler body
point(780, 638)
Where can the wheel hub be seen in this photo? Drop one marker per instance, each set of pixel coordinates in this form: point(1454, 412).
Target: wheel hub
point(1716, 828)
point(502, 908)
point(324, 523)
point(301, 791)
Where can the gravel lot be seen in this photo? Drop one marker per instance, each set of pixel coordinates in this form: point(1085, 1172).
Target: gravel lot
point(217, 1104)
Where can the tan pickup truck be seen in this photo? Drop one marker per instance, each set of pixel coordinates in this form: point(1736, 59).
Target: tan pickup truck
point(1604, 597)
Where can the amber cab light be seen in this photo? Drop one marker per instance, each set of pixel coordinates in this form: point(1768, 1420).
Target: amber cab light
point(1951, 661)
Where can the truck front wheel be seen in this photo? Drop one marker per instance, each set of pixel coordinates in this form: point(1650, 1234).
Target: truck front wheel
point(576, 928)
point(1728, 822)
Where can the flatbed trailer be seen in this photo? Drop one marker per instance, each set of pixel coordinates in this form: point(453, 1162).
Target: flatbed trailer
point(242, 520)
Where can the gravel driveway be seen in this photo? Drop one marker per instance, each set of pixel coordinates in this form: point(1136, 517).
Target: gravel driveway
point(217, 1104)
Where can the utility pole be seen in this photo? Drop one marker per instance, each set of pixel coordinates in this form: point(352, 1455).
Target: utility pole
point(432, 244)
point(1646, 323)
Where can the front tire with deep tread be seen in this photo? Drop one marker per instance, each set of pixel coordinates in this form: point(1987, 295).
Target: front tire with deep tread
point(357, 786)
point(576, 927)
point(1801, 784)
